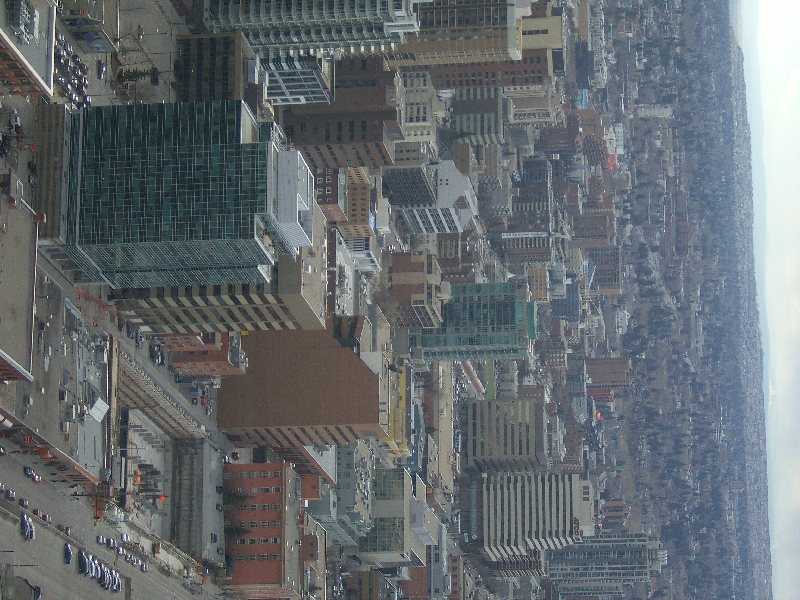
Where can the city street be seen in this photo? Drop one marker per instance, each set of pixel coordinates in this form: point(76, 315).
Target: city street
point(56, 500)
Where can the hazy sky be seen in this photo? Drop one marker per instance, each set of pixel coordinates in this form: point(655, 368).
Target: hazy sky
point(772, 67)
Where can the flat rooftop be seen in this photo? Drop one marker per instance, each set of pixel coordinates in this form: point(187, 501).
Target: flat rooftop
point(18, 239)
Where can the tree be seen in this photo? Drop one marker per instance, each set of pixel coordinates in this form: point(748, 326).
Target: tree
point(230, 496)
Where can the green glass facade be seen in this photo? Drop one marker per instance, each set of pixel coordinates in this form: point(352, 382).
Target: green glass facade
point(480, 321)
point(167, 194)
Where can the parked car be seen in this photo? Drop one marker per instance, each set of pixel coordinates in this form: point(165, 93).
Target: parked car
point(101, 539)
point(101, 69)
point(83, 564)
point(23, 503)
point(2, 451)
point(11, 495)
point(67, 553)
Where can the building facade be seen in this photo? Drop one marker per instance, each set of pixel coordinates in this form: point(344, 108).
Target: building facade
point(182, 194)
point(480, 321)
point(525, 514)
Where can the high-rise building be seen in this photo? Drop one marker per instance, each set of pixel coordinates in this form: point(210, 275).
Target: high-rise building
point(294, 298)
point(183, 194)
point(416, 289)
point(223, 66)
point(402, 524)
point(436, 198)
point(480, 321)
point(525, 514)
point(303, 388)
point(505, 435)
point(476, 115)
point(359, 128)
point(461, 31)
point(312, 27)
point(624, 558)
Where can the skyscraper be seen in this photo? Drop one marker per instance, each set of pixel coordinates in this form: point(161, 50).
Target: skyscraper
point(184, 194)
point(506, 435)
point(524, 514)
point(625, 558)
point(329, 27)
point(481, 321)
point(461, 31)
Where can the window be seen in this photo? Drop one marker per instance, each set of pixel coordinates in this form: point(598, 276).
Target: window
point(241, 490)
point(278, 473)
point(240, 541)
point(254, 507)
point(263, 557)
point(240, 557)
point(276, 523)
point(253, 490)
point(275, 556)
point(276, 507)
point(228, 476)
point(265, 507)
point(265, 523)
point(252, 557)
point(253, 474)
point(276, 490)
point(265, 490)
point(242, 474)
point(251, 541)
point(241, 524)
point(253, 524)
point(242, 507)
point(264, 541)
point(276, 540)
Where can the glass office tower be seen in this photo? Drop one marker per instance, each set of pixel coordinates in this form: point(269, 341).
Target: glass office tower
point(169, 194)
point(480, 321)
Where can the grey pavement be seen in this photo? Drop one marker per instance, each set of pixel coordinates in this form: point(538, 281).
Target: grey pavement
point(46, 549)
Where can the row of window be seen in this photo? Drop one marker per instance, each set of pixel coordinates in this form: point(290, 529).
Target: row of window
point(259, 557)
point(256, 474)
point(243, 541)
point(256, 507)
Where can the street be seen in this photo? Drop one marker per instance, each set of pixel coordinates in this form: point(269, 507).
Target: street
point(57, 579)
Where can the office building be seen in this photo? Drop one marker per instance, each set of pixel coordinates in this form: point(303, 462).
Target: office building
point(26, 48)
point(184, 194)
point(320, 28)
point(524, 514)
point(212, 66)
point(436, 198)
point(345, 511)
point(607, 269)
point(507, 434)
point(360, 244)
point(468, 31)
point(531, 70)
point(402, 523)
point(480, 321)
point(359, 128)
point(271, 546)
point(416, 289)
point(476, 115)
point(302, 388)
point(294, 298)
point(625, 558)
